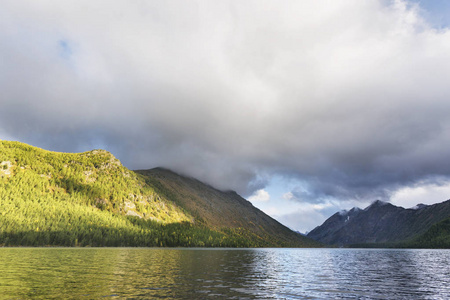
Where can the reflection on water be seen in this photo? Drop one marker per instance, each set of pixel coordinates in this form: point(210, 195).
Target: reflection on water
point(46, 273)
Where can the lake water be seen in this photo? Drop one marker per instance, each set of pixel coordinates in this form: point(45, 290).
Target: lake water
point(90, 273)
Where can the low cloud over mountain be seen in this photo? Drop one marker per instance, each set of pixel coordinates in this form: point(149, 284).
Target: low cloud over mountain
point(348, 97)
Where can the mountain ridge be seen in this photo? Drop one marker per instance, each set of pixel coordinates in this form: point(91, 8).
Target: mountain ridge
point(379, 223)
point(216, 208)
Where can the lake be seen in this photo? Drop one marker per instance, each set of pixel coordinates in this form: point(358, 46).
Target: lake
point(138, 273)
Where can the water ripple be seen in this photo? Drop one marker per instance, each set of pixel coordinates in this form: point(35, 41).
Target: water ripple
point(52, 273)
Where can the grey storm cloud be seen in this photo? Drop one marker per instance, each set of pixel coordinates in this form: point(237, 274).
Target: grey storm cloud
point(350, 97)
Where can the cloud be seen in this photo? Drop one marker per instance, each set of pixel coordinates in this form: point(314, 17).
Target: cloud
point(259, 196)
point(348, 97)
point(305, 216)
point(425, 193)
point(288, 196)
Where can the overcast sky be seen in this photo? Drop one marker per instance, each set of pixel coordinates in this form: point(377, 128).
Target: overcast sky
point(304, 107)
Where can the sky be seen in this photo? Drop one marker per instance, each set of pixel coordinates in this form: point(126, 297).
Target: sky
point(304, 108)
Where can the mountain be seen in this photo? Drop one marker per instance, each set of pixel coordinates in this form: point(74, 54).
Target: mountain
point(379, 223)
point(217, 209)
point(438, 236)
point(91, 199)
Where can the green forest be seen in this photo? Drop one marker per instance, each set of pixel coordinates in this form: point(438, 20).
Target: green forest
point(90, 199)
point(438, 236)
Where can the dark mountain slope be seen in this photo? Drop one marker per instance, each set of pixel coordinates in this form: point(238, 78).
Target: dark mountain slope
point(438, 236)
point(217, 209)
point(381, 222)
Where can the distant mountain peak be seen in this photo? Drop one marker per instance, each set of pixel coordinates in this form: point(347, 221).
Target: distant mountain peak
point(377, 203)
point(351, 212)
point(343, 212)
point(419, 206)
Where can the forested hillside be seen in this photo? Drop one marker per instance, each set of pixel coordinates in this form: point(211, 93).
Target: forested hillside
point(438, 236)
point(217, 209)
point(90, 199)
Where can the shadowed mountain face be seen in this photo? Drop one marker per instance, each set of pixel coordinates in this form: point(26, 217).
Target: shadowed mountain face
point(381, 222)
point(217, 209)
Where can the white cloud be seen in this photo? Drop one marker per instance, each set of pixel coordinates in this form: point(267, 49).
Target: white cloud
point(259, 196)
point(304, 217)
point(427, 193)
point(288, 196)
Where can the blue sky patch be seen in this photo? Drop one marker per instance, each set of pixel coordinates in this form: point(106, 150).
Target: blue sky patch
point(65, 51)
point(437, 12)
